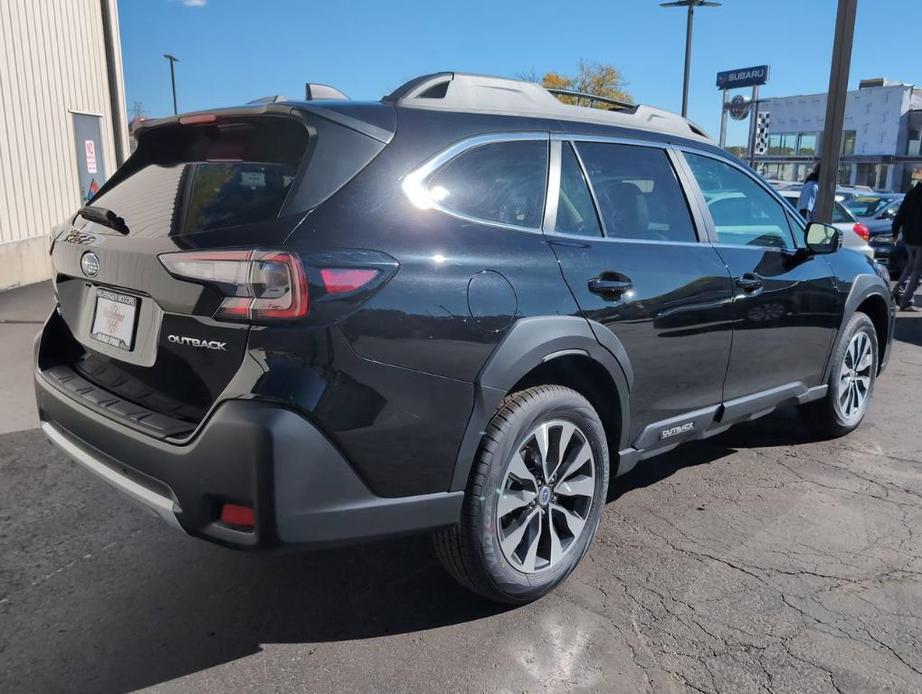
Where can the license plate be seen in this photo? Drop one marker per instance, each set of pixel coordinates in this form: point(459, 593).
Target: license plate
point(114, 320)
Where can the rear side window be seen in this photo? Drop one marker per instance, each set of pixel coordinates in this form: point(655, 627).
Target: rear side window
point(637, 191)
point(498, 182)
point(575, 210)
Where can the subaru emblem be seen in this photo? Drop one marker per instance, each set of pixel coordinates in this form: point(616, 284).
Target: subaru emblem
point(89, 263)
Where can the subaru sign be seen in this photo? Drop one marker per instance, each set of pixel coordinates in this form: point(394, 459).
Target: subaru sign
point(747, 77)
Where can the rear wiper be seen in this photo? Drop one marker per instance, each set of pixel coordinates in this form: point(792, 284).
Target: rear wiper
point(101, 215)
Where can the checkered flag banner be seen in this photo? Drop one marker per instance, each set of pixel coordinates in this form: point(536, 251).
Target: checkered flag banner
point(761, 144)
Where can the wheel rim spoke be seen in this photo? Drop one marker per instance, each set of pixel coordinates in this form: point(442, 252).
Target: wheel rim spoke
point(556, 549)
point(581, 485)
point(535, 531)
point(542, 439)
point(855, 375)
point(511, 541)
point(574, 523)
point(528, 563)
point(579, 459)
point(552, 465)
point(519, 469)
point(511, 501)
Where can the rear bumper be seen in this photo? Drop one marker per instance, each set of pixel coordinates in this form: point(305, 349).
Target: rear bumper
point(252, 453)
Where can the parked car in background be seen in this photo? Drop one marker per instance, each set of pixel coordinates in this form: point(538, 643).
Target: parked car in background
point(855, 235)
point(880, 227)
point(873, 207)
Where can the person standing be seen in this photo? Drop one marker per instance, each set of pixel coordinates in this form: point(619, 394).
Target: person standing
point(908, 221)
point(806, 203)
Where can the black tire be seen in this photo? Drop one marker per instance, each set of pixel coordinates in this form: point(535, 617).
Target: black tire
point(827, 418)
point(471, 551)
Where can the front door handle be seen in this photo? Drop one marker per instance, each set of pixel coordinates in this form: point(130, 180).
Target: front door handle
point(750, 283)
point(610, 285)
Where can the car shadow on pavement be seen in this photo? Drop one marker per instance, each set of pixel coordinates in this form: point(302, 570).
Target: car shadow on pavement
point(908, 329)
point(179, 607)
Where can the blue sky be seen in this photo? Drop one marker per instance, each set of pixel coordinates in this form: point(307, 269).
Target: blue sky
point(232, 51)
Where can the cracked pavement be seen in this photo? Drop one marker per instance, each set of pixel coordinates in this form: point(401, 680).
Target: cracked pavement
point(757, 561)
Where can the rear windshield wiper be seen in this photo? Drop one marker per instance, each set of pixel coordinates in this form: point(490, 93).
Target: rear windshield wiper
point(101, 215)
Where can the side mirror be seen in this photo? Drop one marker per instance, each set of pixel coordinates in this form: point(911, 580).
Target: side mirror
point(822, 238)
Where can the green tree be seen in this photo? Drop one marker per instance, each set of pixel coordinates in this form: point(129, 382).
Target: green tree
point(600, 79)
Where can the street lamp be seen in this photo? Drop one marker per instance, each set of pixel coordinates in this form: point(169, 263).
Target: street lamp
point(172, 59)
point(691, 5)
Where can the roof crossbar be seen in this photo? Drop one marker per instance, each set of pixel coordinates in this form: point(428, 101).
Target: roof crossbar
point(618, 104)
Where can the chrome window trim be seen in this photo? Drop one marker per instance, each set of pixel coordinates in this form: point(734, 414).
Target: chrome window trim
point(552, 196)
point(746, 171)
point(413, 184)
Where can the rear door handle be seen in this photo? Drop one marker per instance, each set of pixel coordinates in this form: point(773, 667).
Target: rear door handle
point(610, 285)
point(749, 283)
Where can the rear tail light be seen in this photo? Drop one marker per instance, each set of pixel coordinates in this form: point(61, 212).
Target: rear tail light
point(862, 231)
point(260, 285)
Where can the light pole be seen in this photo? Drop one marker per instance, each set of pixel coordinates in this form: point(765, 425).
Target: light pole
point(691, 5)
point(172, 59)
point(835, 108)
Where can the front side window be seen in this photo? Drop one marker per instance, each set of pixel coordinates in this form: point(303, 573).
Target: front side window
point(744, 213)
point(498, 182)
point(637, 191)
point(575, 210)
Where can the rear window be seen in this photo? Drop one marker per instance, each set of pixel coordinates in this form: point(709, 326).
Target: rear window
point(500, 182)
point(865, 206)
point(185, 179)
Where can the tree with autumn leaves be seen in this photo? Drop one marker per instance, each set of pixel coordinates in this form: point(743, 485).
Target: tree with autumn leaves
point(600, 79)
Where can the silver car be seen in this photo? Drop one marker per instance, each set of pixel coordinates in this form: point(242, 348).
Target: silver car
point(855, 235)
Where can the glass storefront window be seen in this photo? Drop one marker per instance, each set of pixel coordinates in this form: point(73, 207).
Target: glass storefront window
point(774, 144)
point(848, 142)
point(788, 144)
point(807, 144)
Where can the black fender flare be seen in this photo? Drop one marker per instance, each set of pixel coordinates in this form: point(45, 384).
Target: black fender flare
point(863, 287)
point(529, 343)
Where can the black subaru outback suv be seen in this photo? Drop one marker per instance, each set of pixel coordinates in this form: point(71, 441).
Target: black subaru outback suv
point(461, 309)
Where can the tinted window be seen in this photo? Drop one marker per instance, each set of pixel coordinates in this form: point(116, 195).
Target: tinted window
point(499, 182)
point(575, 209)
point(744, 213)
point(187, 179)
point(637, 191)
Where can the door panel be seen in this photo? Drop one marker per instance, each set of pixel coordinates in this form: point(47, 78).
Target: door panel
point(785, 306)
point(666, 301)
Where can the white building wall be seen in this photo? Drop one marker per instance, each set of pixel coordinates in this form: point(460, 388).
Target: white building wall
point(52, 63)
point(875, 114)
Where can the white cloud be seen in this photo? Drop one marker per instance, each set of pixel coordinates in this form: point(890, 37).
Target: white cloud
point(194, 3)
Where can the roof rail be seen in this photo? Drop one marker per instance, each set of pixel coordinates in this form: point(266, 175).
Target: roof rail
point(619, 104)
point(456, 91)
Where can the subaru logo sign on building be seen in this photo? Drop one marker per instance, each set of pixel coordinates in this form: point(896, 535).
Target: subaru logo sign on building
point(747, 77)
point(89, 263)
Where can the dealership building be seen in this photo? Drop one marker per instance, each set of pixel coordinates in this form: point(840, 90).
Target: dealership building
point(880, 142)
point(63, 128)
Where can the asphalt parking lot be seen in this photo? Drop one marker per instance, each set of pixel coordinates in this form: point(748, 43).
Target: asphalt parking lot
point(756, 561)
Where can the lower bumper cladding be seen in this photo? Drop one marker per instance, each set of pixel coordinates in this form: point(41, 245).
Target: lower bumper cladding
point(256, 455)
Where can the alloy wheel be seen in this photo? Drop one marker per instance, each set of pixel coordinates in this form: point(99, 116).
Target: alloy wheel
point(546, 496)
point(855, 376)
